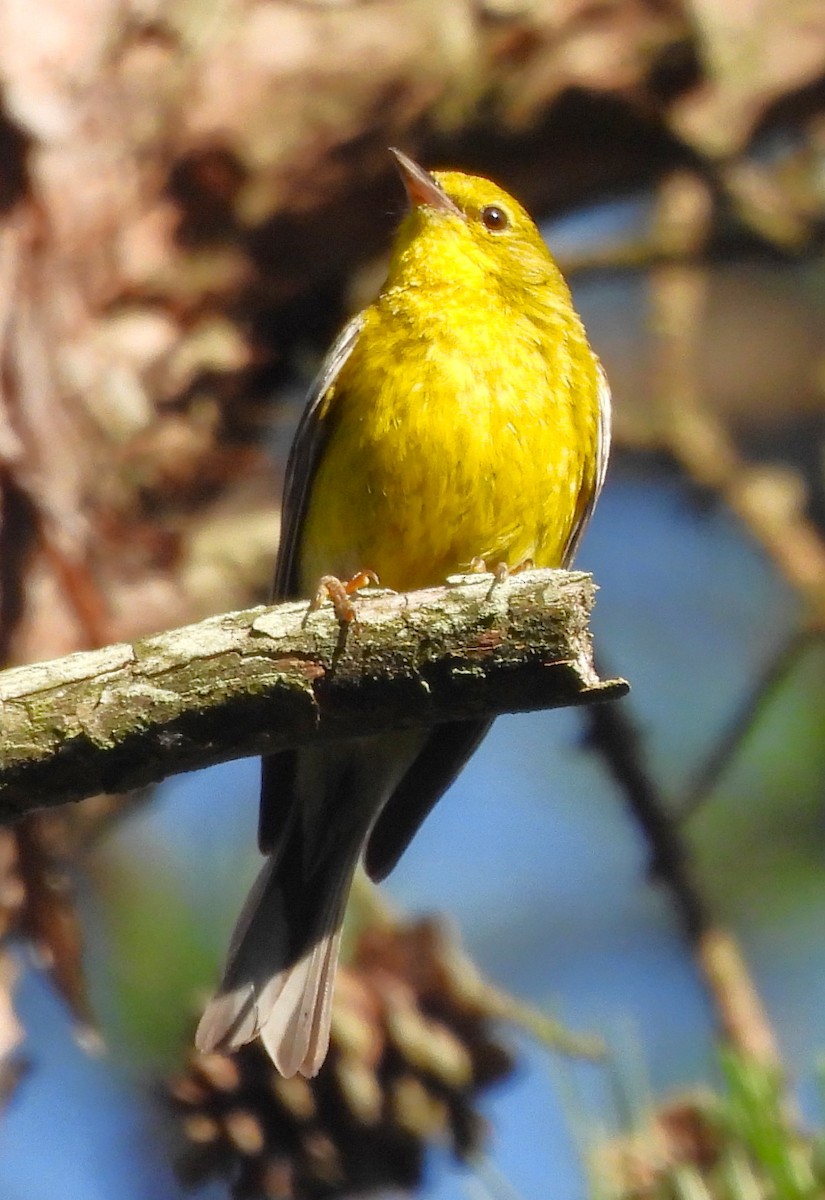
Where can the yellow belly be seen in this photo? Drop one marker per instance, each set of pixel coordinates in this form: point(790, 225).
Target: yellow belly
point(482, 446)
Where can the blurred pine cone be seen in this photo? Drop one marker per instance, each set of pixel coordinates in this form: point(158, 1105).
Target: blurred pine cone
point(411, 1047)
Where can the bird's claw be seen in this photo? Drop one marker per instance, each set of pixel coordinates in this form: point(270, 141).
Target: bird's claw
point(339, 591)
point(502, 571)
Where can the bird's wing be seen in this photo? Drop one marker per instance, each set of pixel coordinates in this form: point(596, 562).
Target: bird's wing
point(588, 502)
point(278, 770)
point(443, 755)
point(310, 439)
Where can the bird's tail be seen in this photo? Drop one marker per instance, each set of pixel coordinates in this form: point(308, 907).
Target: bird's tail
point(280, 972)
point(281, 965)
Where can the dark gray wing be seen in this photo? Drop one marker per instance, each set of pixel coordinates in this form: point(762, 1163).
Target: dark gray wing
point(442, 757)
point(278, 770)
point(310, 439)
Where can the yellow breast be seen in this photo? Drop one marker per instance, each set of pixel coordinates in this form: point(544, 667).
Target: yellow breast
point(452, 436)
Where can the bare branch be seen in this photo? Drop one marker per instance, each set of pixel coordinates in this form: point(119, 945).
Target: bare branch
point(257, 681)
point(753, 707)
point(737, 1007)
point(704, 447)
point(770, 503)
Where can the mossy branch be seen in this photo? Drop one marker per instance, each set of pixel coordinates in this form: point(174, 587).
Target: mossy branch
point(256, 681)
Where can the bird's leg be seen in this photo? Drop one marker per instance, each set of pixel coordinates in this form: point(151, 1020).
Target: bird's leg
point(502, 572)
point(339, 592)
point(478, 566)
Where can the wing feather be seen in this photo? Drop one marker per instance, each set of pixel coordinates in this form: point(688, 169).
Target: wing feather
point(310, 439)
point(278, 770)
point(602, 458)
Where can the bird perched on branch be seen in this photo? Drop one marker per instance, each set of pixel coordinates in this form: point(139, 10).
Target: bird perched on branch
point(462, 417)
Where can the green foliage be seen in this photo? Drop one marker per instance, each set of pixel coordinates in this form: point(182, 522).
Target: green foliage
point(160, 955)
point(740, 1142)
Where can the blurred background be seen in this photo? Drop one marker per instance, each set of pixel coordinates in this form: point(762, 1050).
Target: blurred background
point(193, 197)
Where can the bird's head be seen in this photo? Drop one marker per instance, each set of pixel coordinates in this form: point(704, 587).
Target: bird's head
point(466, 230)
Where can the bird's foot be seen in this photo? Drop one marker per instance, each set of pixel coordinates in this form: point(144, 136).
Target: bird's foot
point(501, 573)
point(339, 592)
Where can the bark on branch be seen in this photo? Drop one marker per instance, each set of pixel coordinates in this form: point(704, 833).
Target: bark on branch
point(255, 681)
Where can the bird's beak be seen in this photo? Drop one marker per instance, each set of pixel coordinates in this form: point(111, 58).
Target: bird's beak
point(421, 188)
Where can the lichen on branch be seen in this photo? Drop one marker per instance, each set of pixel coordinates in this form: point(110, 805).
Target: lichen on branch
point(260, 680)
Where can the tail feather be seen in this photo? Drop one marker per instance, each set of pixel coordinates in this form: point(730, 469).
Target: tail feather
point(266, 991)
point(296, 1032)
point(229, 1020)
point(280, 972)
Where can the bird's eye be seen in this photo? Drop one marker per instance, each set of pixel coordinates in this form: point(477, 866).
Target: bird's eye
point(495, 218)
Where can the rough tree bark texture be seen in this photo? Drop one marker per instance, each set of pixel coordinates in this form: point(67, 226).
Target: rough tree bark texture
point(261, 680)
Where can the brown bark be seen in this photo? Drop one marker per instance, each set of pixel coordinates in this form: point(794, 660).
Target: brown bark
point(256, 681)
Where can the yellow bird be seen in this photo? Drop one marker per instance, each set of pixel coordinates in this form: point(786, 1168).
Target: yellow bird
point(461, 416)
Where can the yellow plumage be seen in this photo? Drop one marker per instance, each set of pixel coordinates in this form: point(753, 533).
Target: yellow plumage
point(461, 416)
point(465, 422)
